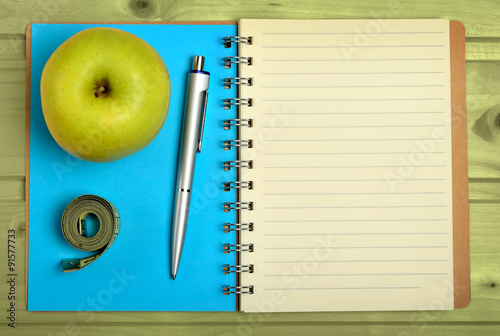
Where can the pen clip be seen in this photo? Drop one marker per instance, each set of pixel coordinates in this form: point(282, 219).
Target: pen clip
point(202, 124)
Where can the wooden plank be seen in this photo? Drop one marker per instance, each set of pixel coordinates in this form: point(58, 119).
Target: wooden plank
point(485, 256)
point(16, 75)
point(12, 131)
point(12, 188)
point(255, 327)
point(483, 94)
point(12, 90)
point(482, 49)
point(12, 63)
point(479, 21)
point(12, 166)
point(13, 46)
point(483, 190)
point(12, 111)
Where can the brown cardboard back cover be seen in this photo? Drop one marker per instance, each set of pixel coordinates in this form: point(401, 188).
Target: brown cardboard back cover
point(461, 252)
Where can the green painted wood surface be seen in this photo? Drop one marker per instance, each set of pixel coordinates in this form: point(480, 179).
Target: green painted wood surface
point(482, 23)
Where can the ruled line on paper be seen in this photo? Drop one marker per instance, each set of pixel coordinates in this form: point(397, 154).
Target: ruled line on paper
point(347, 86)
point(369, 113)
point(351, 167)
point(356, 220)
point(356, 194)
point(336, 288)
point(326, 140)
point(347, 46)
point(354, 207)
point(353, 234)
point(353, 247)
point(352, 180)
point(353, 60)
point(345, 153)
point(354, 126)
point(352, 33)
point(360, 261)
point(355, 99)
point(355, 73)
point(352, 274)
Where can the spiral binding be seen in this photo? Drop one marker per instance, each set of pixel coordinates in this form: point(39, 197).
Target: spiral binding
point(228, 123)
point(237, 81)
point(237, 290)
point(228, 227)
point(237, 102)
point(228, 248)
point(227, 269)
point(237, 143)
point(237, 164)
point(228, 206)
point(236, 39)
point(237, 185)
point(228, 61)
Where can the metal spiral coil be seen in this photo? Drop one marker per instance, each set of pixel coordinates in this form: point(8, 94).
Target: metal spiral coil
point(237, 81)
point(228, 248)
point(237, 102)
point(227, 186)
point(228, 227)
point(228, 123)
point(228, 206)
point(236, 39)
point(227, 290)
point(227, 269)
point(238, 164)
point(236, 60)
point(237, 185)
point(237, 143)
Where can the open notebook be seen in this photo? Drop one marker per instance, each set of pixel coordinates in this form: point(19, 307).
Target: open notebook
point(358, 165)
point(343, 185)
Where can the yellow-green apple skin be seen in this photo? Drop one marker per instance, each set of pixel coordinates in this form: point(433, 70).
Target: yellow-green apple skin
point(105, 94)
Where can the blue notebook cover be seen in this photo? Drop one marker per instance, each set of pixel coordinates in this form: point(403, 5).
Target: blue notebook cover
point(134, 274)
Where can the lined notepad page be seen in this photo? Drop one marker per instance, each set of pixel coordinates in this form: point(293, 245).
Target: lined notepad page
point(351, 165)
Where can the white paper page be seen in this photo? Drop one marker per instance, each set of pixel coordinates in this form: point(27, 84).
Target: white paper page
point(351, 155)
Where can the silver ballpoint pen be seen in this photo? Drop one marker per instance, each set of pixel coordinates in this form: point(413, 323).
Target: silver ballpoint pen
point(194, 121)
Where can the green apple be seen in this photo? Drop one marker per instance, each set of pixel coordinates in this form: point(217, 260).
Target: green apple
point(105, 94)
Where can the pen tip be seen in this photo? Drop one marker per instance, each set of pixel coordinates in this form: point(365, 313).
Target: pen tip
point(173, 276)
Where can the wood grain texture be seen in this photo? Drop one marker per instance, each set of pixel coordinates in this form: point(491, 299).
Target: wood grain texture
point(480, 18)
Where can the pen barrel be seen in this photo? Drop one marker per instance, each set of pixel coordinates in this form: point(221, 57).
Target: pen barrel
point(196, 93)
point(181, 214)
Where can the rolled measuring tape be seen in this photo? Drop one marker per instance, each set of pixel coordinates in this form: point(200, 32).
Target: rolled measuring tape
point(74, 230)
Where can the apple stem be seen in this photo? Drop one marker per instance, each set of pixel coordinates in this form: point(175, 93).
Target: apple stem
point(100, 90)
